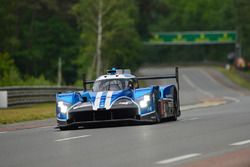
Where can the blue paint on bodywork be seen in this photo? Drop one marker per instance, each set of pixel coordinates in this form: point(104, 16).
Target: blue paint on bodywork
point(142, 91)
point(166, 90)
point(135, 95)
point(68, 100)
point(123, 93)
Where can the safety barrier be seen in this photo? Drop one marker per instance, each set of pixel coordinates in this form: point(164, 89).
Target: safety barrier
point(13, 96)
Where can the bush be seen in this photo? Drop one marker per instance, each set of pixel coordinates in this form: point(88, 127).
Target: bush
point(9, 75)
point(30, 81)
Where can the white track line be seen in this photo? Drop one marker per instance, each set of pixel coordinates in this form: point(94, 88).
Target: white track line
point(2, 132)
point(183, 157)
point(232, 98)
point(200, 105)
point(197, 87)
point(193, 119)
point(45, 127)
point(71, 138)
point(240, 143)
point(190, 107)
point(210, 77)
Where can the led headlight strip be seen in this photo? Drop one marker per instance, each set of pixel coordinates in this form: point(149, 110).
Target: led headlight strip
point(63, 107)
point(144, 103)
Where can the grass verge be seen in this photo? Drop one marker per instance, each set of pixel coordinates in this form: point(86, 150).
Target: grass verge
point(233, 75)
point(27, 113)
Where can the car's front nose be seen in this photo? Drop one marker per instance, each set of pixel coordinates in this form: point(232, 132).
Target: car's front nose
point(121, 109)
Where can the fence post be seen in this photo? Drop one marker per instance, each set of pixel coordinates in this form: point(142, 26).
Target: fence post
point(3, 99)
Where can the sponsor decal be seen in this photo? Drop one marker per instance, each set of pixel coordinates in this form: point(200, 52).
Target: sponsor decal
point(97, 100)
point(108, 100)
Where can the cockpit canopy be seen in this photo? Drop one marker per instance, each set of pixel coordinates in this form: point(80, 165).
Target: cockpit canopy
point(115, 84)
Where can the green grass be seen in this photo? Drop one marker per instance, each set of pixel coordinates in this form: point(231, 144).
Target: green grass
point(232, 75)
point(27, 113)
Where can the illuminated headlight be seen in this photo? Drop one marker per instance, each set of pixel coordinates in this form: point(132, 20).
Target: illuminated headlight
point(144, 103)
point(63, 107)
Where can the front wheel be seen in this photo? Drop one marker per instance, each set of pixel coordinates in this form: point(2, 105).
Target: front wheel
point(71, 127)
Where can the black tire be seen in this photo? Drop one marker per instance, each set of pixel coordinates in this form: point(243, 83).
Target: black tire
point(155, 99)
point(72, 127)
point(174, 118)
point(62, 128)
point(157, 118)
point(176, 105)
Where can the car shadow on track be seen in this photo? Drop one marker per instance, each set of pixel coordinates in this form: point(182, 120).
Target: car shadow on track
point(117, 124)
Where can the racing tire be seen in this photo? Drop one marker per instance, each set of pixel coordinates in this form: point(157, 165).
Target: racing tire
point(174, 118)
point(62, 128)
point(176, 107)
point(157, 118)
point(72, 127)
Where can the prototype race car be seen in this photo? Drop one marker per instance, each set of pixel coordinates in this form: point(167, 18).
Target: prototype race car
point(117, 96)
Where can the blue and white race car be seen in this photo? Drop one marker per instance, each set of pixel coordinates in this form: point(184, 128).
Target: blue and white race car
point(117, 96)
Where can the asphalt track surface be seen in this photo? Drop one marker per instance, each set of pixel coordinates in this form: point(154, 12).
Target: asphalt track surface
point(199, 134)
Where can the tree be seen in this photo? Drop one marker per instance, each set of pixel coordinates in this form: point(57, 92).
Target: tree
point(9, 75)
point(105, 24)
point(9, 29)
point(195, 15)
point(149, 13)
point(36, 33)
point(243, 25)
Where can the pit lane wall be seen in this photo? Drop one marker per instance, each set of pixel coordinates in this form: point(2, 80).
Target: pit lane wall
point(15, 96)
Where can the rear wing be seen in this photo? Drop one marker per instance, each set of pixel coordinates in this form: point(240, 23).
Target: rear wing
point(169, 76)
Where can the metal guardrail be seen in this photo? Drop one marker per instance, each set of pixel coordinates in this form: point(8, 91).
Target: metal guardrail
point(13, 96)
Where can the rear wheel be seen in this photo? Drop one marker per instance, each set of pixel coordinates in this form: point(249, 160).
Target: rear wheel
point(174, 117)
point(176, 107)
point(157, 118)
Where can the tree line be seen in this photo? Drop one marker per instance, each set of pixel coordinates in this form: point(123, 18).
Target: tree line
point(90, 36)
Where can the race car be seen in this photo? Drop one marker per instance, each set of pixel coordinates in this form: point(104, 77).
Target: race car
point(117, 96)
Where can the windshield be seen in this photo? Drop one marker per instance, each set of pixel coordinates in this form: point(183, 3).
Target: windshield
point(111, 85)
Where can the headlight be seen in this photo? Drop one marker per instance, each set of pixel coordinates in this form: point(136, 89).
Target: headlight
point(63, 107)
point(147, 98)
point(144, 103)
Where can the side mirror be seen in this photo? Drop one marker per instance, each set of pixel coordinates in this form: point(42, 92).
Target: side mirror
point(84, 99)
